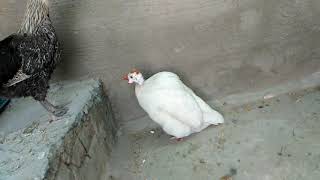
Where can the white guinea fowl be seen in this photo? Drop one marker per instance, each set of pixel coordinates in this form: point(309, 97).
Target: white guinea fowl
point(173, 105)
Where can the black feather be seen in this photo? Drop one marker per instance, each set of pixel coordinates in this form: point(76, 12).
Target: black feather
point(37, 55)
point(9, 63)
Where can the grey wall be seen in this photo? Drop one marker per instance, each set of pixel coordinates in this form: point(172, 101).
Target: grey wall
point(219, 47)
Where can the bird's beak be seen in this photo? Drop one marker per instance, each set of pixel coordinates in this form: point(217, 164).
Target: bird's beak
point(125, 77)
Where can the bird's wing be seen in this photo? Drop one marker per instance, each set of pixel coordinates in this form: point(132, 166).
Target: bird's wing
point(36, 53)
point(18, 77)
point(176, 102)
point(40, 51)
point(203, 105)
point(210, 115)
point(10, 67)
point(16, 56)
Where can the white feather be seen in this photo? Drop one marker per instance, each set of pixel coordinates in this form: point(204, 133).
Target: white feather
point(174, 106)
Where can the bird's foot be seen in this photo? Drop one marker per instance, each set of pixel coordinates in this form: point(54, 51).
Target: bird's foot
point(56, 111)
point(61, 106)
point(176, 139)
point(179, 139)
point(59, 111)
point(54, 118)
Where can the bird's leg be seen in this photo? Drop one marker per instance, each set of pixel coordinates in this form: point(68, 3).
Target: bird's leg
point(177, 139)
point(55, 111)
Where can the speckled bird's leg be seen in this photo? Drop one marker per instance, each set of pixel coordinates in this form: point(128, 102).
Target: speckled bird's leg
point(55, 111)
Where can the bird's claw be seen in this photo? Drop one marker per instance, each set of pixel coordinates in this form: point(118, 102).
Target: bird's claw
point(176, 139)
point(60, 111)
point(56, 111)
point(63, 105)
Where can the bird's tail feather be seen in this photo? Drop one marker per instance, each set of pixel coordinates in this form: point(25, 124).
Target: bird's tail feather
point(213, 117)
point(9, 64)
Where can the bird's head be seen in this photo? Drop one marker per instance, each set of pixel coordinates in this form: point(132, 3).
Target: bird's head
point(134, 76)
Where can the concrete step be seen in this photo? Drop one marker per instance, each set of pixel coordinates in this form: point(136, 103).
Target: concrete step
point(75, 147)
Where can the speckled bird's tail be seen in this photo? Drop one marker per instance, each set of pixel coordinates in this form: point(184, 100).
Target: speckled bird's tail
point(9, 64)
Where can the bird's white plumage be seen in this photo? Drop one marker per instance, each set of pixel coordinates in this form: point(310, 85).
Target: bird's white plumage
point(174, 106)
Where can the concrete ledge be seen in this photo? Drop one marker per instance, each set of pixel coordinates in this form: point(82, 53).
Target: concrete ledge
point(76, 147)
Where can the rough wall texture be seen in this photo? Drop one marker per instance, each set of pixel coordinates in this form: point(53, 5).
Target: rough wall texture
point(219, 47)
point(86, 147)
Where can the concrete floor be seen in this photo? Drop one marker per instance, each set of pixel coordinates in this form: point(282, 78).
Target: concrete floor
point(276, 139)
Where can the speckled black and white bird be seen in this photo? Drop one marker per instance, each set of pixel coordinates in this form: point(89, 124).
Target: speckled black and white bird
point(28, 58)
